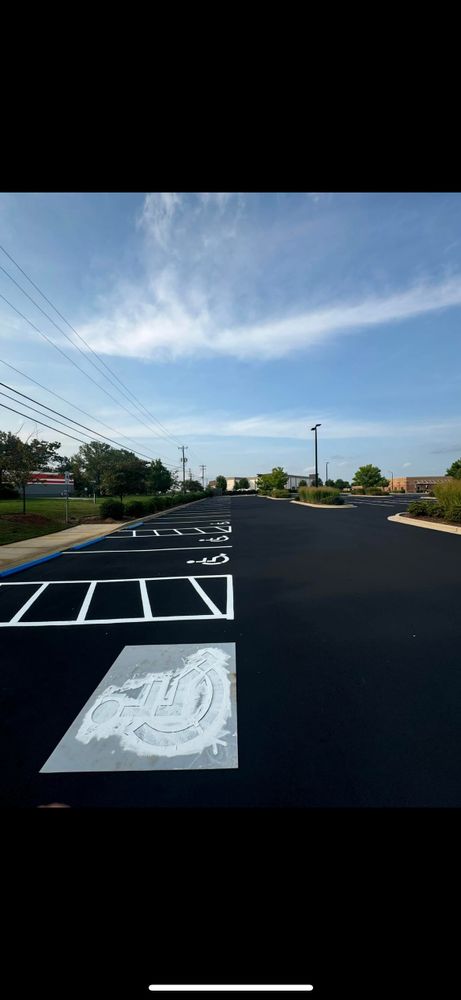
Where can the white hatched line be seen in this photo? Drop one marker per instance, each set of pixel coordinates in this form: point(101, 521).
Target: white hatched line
point(145, 599)
point(209, 603)
point(86, 603)
point(26, 606)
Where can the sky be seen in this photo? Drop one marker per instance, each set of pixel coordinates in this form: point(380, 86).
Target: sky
point(238, 321)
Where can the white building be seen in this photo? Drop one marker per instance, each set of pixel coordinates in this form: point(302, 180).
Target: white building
point(232, 480)
point(294, 481)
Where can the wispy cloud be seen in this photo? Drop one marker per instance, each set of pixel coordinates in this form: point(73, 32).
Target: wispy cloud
point(157, 215)
point(163, 322)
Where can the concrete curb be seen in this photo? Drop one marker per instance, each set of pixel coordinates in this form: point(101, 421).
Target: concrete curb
point(324, 506)
point(424, 524)
point(18, 567)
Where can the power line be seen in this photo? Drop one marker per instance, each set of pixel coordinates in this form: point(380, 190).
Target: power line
point(74, 363)
point(50, 408)
point(41, 423)
point(101, 360)
point(73, 405)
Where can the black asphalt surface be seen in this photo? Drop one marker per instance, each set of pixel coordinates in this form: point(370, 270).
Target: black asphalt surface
point(347, 629)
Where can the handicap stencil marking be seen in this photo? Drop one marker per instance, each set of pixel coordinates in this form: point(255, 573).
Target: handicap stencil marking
point(156, 708)
point(215, 560)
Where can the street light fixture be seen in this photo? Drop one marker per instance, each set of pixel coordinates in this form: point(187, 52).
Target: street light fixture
point(316, 463)
point(392, 480)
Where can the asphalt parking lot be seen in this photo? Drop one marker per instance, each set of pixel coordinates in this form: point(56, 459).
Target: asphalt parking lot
point(340, 627)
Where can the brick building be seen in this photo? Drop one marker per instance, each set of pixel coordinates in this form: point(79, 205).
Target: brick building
point(417, 484)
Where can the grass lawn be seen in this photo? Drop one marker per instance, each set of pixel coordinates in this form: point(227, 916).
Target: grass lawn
point(46, 516)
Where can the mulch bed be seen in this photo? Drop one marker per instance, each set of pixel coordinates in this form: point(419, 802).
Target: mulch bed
point(25, 518)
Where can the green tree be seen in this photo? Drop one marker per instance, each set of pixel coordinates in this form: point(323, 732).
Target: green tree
point(93, 461)
point(455, 469)
point(279, 478)
point(243, 484)
point(369, 476)
point(341, 484)
point(159, 478)
point(126, 474)
point(20, 461)
point(264, 483)
point(302, 482)
point(221, 483)
point(330, 482)
point(193, 486)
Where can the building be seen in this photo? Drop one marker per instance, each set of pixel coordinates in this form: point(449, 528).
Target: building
point(294, 481)
point(49, 485)
point(417, 484)
point(232, 480)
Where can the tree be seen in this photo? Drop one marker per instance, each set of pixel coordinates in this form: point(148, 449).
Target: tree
point(242, 484)
point(330, 482)
point(302, 482)
point(46, 455)
point(93, 460)
point(341, 484)
point(193, 485)
point(159, 479)
point(455, 469)
point(20, 461)
point(264, 483)
point(279, 478)
point(221, 483)
point(369, 476)
point(126, 474)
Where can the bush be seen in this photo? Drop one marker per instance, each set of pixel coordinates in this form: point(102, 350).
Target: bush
point(449, 497)
point(136, 508)
point(377, 491)
point(280, 494)
point(8, 493)
point(112, 508)
point(425, 508)
point(358, 489)
point(320, 494)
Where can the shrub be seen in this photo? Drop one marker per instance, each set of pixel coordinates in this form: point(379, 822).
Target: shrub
point(320, 494)
point(135, 508)
point(112, 508)
point(377, 491)
point(280, 494)
point(358, 489)
point(8, 493)
point(449, 496)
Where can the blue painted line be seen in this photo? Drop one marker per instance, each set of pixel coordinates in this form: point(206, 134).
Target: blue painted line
point(92, 541)
point(18, 569)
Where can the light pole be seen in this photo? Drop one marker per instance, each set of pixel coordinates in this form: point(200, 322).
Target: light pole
point(326, 472)
point(392, 480)
point(316, 463)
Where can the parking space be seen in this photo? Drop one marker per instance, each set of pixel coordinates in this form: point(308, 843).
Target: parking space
point(120, 661)
point(171, 570)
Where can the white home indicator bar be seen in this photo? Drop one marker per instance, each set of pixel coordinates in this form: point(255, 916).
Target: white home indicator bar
point(229, 989)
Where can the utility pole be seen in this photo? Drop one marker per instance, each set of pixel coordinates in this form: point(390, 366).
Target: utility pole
point(316, 463)
point(203, 467)
point(326, 472)
point(183, 448)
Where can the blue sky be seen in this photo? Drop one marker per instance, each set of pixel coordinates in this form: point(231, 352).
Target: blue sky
point(240, 320)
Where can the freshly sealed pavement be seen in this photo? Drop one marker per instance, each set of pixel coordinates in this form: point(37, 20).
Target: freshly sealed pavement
point(347, 633)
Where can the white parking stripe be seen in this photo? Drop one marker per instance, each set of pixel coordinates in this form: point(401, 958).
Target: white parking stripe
point(109, 552)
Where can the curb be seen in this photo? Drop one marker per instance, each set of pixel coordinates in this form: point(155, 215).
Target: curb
point(91, 541)
point(451, 528)
point(325, 506)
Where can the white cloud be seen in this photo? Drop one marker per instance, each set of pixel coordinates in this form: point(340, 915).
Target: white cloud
point(172, 320)
point(406, 465)
point(296, 427)
point(157, 215)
